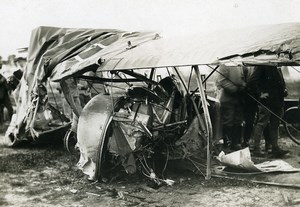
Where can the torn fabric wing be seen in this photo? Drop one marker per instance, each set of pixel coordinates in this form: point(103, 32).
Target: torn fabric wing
point(58, 53)
point(241, 159)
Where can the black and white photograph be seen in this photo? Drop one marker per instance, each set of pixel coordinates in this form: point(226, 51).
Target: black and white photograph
point(163, 103)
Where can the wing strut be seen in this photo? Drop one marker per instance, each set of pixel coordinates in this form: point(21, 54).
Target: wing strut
point(208, 124)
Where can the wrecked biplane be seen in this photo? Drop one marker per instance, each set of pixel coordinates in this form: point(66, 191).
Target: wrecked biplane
point(152, 105)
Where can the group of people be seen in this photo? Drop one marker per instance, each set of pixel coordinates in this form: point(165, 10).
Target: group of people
point(252, 104)
point(10, 75)
point(4, 96)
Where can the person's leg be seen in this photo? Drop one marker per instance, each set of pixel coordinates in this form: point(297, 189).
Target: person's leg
point(70, 91)
point(226, 116)
point(267, 136)
point(250, 111)
point(8, 105)
point(274, 133)
point(238, 118)
point(263, 119)
point(1, 114)
point(236, 137)
point(227, 135)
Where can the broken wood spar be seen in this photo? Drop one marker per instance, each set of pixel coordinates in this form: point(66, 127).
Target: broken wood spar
point(207, 120)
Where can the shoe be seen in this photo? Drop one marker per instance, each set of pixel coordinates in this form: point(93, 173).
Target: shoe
point(258, 153)
point(268, 148)
point(225, 143)
point(279, 153)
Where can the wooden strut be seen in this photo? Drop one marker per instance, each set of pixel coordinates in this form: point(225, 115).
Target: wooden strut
point(208, 127)
point(207, 121)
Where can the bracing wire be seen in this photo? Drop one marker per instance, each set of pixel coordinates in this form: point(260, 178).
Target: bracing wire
point(295, 69)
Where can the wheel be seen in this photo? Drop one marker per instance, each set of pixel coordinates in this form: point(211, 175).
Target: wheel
point(292, 124)
point(70, 141)
point(107, 162)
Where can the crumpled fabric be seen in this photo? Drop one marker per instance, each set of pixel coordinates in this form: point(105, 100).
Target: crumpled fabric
point(241, 159)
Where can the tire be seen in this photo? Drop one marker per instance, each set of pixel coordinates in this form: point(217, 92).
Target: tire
point(292, 124)
point(70, 142)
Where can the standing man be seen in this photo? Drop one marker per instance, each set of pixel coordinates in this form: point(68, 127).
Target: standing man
point(250, 109)
point(251, 113)
point(70, 91)
point(269, 87)
point(4, 99)
point(230, 82)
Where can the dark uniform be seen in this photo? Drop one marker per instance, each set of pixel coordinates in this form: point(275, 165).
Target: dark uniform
point(230, 82)
point(4, 99)
point(268, 85)
point(251, 112)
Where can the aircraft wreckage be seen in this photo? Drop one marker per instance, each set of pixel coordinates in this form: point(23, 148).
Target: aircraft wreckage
point(151, 105)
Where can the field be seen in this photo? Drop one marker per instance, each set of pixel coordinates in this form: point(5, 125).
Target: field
point(46, 175)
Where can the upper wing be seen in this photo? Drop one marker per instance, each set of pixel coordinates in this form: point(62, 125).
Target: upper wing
point(273, 44)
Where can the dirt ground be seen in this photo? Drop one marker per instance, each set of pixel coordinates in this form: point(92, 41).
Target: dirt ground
point(46, 175)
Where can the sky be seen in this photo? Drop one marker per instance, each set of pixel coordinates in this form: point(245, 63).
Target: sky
point(169, 17)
